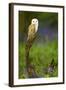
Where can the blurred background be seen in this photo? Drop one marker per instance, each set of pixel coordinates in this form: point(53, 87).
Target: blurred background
point(45, 47)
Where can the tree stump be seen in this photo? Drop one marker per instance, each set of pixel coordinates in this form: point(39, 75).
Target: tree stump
point(28, 46)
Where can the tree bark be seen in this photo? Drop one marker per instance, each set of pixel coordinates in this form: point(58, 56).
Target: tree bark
point(29, 44)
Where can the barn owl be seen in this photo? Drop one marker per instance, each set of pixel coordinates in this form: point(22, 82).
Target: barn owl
point(32, 29)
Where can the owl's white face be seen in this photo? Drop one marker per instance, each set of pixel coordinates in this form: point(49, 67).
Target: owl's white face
point(35, 21)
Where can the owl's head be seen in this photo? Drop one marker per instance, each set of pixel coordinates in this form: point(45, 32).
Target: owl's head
point(34, 21)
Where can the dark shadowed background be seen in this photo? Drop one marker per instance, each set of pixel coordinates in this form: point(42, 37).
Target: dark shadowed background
point(48, 24)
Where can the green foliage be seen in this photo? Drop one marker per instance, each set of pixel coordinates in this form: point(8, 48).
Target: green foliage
point(40, 56)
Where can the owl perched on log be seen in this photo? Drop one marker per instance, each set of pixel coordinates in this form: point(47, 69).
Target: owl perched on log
point(32, 30)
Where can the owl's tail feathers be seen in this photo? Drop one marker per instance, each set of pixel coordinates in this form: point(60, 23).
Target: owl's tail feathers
point(30, 40)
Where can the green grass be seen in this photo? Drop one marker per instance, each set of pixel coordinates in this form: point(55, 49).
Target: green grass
point(40, 56)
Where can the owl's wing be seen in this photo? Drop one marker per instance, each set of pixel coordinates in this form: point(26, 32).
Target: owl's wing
point(31, 36)
point(31, 31)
